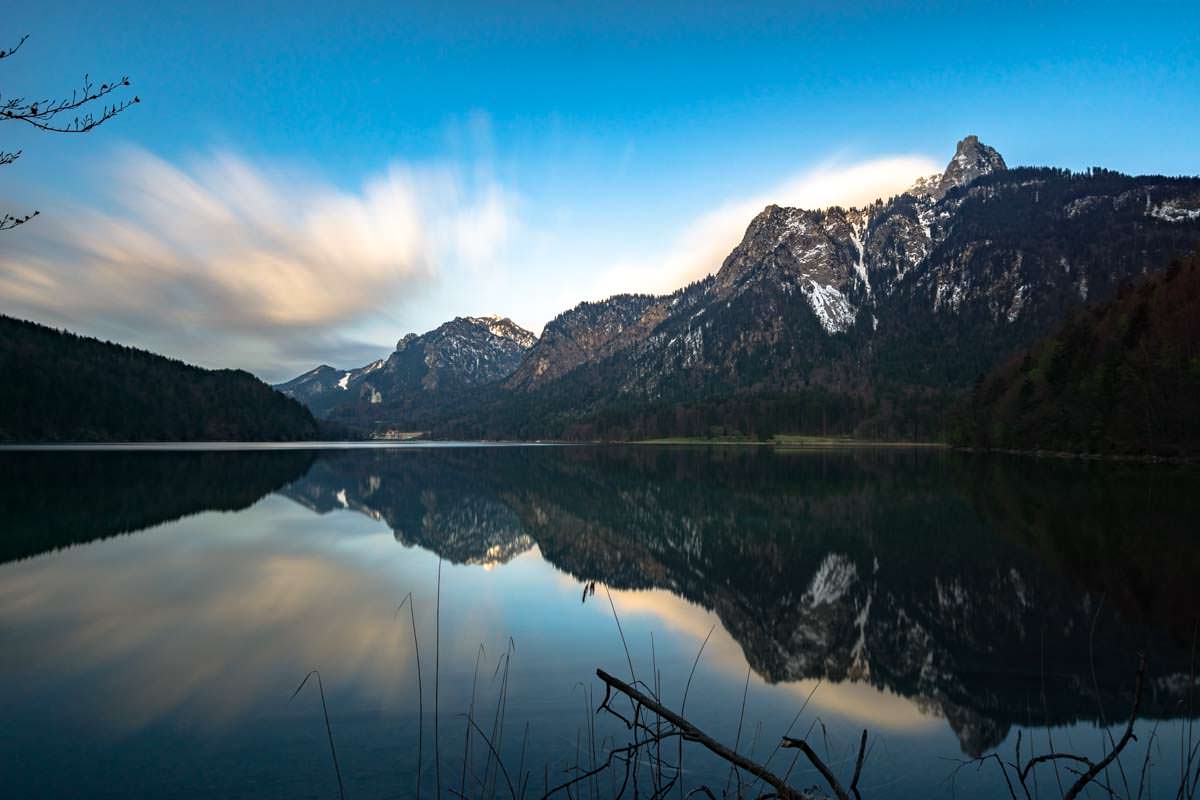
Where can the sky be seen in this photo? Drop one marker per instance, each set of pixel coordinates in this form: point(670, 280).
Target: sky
point(306, 183)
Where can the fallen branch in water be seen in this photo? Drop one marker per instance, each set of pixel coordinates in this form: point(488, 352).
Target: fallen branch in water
point(826, 772)
point(691, 733)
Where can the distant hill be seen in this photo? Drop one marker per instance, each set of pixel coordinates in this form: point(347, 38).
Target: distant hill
point(56, 386)
point(1120, 378)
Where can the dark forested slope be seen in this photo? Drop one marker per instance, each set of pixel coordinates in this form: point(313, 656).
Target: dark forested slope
point(57, 386)
point(1119, 378)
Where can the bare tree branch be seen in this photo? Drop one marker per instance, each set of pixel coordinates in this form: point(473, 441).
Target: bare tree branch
point(826, 772)
point(45, 115)
point(693, 734)
point(1090, 775)
point(10, 51)
point(42, 113)
point(9, 221)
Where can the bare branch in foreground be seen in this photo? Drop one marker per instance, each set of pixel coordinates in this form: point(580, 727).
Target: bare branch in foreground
point(826, 772)
point(693, 734)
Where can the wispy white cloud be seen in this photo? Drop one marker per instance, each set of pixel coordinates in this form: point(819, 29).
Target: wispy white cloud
point(228, 262)
point(700, 247)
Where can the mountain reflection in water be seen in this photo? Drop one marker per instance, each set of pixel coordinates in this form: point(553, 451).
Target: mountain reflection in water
point(916, 585)
point(944, 578)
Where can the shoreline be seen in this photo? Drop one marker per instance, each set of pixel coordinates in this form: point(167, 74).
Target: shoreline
point(786, 442)
point(1068, 455)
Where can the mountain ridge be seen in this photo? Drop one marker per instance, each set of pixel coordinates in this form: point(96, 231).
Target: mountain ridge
point(454, 357)
point(885, 308)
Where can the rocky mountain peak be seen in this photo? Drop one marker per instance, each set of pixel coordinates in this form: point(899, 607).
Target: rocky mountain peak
point(972, 158)
point(505, 328)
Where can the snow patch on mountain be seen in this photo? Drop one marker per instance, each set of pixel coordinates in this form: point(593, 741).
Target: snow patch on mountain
point(1171, 212)
point(831, 307)
point(860, 265)
point(1018, 302)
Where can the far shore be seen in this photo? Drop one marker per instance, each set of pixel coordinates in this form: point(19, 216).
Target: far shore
point(787, 440)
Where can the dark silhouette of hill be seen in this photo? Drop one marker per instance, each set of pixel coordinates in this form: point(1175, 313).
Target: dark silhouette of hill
point(61, 387)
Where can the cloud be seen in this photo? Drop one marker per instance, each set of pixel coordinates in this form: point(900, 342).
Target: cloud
point(702, 245)
point(227, 262)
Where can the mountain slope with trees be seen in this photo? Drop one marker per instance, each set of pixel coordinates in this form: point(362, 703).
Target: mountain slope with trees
point(1120, 378)
point(59, 387)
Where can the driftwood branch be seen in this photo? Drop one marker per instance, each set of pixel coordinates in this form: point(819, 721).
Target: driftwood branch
point(1091, 773)
point(693, 734)
point(826, 773)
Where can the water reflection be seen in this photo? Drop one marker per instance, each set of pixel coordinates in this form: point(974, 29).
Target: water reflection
point(56, 499)
point(972, 585)
point(927, 592)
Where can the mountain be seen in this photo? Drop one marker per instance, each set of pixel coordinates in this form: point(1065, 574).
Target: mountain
point(863, 321)
point(462, 354)
point(866, 321)
point(1120, 377)
point(62, 387)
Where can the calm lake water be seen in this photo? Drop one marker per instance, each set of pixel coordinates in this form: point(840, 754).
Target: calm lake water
point(158, 608)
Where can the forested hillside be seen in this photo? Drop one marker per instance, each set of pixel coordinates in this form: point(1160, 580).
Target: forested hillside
point(1121, 378)
point(61, 387)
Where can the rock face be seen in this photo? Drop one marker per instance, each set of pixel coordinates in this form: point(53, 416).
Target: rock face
point(972, 159)
point(463, 353)
point(585, 334)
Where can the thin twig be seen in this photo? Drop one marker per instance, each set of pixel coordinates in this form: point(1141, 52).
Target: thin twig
point(328, 728)
point(437, 672)
point(420, 688)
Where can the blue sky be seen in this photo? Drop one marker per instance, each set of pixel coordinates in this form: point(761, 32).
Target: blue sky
point(362, 173)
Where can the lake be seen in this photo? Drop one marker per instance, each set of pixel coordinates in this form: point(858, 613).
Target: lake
point(159, 607)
